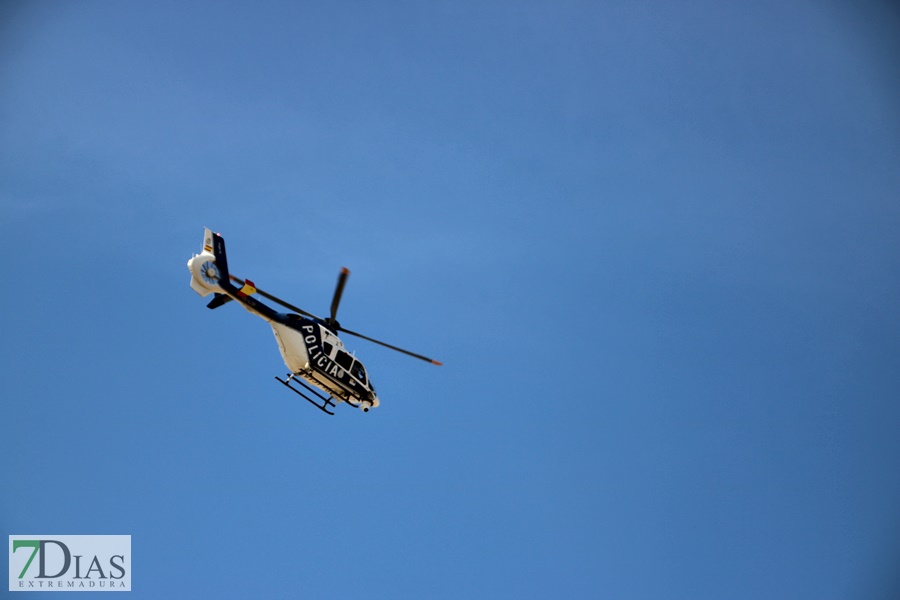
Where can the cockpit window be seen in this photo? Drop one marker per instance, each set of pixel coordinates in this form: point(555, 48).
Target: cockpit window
point(359, 372)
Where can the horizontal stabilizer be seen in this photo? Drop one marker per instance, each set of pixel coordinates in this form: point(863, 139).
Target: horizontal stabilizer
point(218, 301)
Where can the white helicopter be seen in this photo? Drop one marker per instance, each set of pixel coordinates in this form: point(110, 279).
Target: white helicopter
point(311, 349)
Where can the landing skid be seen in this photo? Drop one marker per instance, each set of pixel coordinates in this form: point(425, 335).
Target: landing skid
point(326, 401)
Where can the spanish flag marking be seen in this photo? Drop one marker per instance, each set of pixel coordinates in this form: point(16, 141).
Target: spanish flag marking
point(248, 289)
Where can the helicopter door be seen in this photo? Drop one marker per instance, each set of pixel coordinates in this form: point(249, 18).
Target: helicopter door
point(344, 360)
point(352, 366)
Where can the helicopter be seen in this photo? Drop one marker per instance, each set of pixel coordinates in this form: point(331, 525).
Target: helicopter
point(321, 370)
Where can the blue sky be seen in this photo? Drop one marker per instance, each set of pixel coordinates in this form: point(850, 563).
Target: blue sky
point(655, 245)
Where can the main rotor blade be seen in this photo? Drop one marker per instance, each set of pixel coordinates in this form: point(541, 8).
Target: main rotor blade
point(338, 292)
point(277, 300)
point(341, 281)
point(386, 345)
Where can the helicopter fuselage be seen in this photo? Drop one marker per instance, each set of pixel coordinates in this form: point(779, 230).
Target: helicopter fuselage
point(310, 349)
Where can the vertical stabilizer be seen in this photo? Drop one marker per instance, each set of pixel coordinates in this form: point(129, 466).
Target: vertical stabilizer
point(208, 269)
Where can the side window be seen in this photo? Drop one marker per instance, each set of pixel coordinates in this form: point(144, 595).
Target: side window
point(344, 359)
point(328, 348)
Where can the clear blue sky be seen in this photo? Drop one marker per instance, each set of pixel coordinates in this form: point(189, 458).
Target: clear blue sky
point(656, 245)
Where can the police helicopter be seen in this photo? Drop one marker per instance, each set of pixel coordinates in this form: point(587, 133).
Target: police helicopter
point(321, 370)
